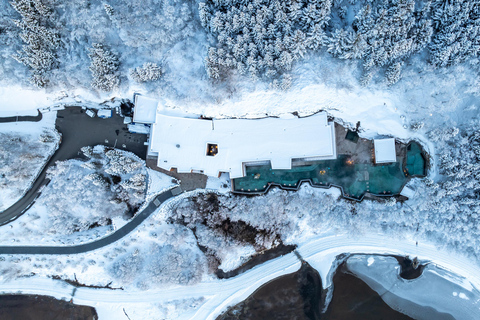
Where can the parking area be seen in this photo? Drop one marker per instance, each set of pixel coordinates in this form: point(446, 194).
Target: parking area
point(79, 130)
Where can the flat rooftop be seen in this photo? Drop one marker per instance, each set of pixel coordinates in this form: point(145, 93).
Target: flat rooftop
point(385, 150)
point(225, 145)
point(145, 109)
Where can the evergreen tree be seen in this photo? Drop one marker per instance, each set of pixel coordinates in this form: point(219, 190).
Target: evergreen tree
point(384, 32)
point(457, 37)
point(104, 68)
point(392, 75)
point(40, 38)
point(148, 72)
point(261, 37)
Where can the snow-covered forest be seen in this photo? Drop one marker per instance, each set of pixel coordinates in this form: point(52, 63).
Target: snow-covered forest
point(117, 44)
point(95, 45)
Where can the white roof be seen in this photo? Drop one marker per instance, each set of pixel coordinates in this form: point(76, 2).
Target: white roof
point(385, 150)
point(145, 109)
point(139, 128)
point(104, 113)
point(182, 142)
point(407, 192)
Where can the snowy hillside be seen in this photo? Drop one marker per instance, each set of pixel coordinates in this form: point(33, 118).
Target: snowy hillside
point(24, 151)
point(87, 199)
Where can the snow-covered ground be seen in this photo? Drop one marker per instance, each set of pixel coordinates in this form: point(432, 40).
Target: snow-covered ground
point(323, 226)
point(87, 199)
point(427, 104)
point(24, 150)
point(16, 100)
point(157, 183)
point(209, 297)
point(158, 258)
point(221, 184)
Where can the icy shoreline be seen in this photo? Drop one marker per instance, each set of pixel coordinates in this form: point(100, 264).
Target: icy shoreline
point(433, 294)
point(219, 294)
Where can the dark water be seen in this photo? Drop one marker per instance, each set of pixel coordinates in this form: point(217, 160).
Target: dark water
point(353, 299)
point(410, 268)
point(300, 296)
point(295, 296)
point(32, 307)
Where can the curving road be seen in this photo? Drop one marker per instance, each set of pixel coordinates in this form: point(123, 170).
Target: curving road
point(115, 236)
point(80, 130)
point(77, 130)
point(319, 252)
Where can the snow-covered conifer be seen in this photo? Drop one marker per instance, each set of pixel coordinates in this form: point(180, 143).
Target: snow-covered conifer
point(392, 75)
point(40, 38)
point(148, 72)
point(384, 32)
point(103, 67)
point(265, 36)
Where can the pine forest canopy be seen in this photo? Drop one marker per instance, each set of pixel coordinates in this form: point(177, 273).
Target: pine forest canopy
point(265, 37)
point(262, 39)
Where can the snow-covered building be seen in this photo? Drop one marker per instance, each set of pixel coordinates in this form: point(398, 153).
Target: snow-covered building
point(228, 145)
point(385, 150)
point(145, 109)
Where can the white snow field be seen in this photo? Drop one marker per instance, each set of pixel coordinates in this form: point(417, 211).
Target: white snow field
point(16, 100)
point(219, 294)
point(25, 148)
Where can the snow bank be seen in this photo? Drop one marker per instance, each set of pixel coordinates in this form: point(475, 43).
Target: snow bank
point(236, 256)
point(376, 110)
point(33, 128)
point(158, 182)
point(15, 100)
point(221, 185)
point(322, 251)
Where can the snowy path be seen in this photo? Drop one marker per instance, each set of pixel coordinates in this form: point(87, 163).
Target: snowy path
point(219, 294)
point(100, 243)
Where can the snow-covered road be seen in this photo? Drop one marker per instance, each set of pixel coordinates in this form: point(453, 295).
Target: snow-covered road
point(321, 252)
point(219, 294)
